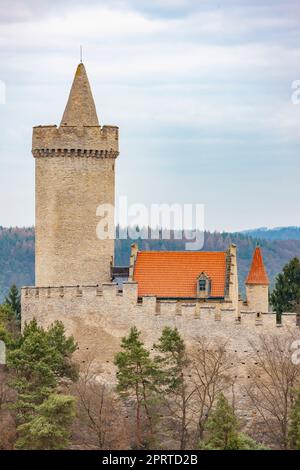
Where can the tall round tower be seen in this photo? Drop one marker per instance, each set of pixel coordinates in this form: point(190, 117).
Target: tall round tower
point(74, 174)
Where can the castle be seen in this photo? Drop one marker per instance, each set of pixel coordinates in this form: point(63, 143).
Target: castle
point(76, 279)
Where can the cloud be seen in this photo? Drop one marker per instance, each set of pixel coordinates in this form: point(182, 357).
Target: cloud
point(163, 66)
point(212, 80)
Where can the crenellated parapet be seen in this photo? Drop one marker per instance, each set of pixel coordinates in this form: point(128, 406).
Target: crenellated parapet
point(83, 141)
point(106, 290)
point(112, 303)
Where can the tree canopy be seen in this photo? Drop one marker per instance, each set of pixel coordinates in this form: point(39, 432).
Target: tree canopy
point(286, 294)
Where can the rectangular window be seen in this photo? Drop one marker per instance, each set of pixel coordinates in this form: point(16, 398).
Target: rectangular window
point(202, 285)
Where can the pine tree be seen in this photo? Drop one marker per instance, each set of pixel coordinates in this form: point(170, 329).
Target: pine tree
point(37, 361)
point(6, 315)
point(222, 426)
point(294, 427)
point(172, 357)
point(48, 427)
point(8, 321)
point(137, 376)
point(173, 363)
point(13, 299)
point(223, 430)
point(286, 293)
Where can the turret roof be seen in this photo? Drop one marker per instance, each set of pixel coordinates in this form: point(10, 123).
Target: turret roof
point(257, 273)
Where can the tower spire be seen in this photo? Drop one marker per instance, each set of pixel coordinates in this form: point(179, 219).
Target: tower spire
point(257, 274)
point(80, 110)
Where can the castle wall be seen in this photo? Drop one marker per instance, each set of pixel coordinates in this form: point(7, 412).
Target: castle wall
point(233, 288)
point(99, 317)
point(257, 297)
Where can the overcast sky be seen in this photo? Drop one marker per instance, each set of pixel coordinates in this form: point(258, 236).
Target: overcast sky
point(201, 91)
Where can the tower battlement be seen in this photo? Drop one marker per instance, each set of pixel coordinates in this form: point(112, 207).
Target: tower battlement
point(97, 140)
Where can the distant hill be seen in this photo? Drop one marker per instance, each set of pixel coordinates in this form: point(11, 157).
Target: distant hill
point(17, 252)
point(278, 233)
point(16, 258)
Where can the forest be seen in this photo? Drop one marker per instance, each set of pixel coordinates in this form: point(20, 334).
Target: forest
point(17, 252)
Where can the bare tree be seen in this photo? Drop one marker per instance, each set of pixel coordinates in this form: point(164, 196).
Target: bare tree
point(99, 413)
point(206, 373)
point(184, 415)
point(273, 380)
point(211, 371)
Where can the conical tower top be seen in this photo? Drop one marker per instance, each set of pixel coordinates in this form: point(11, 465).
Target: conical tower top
point(257, 274)
point(80, 110)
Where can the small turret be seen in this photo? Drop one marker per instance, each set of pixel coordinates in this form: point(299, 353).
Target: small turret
point(257, 284)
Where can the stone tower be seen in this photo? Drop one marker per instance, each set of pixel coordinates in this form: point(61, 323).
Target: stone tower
point(257, 284)
point(74, 174)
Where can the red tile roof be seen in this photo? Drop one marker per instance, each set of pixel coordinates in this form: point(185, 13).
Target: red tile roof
point(173, 274)
point(257, 273)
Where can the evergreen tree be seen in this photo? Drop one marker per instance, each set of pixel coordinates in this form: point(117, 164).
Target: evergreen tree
point(173, 363)
point(294, 427)
point(37, 360)
point(9, 321)
point(13, 299)
point(286, 294)
point(6, 314)
point(172, 357)
point(5, 336)
point(223, 430)
point(222, 426)
point(137, 376)
point(48, 428)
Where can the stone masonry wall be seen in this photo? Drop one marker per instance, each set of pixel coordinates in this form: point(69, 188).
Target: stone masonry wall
point(67, 138)
point(68, 192)
point(257, 298)
point(99, 317)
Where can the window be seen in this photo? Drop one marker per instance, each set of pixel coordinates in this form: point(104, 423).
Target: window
point(203, 286)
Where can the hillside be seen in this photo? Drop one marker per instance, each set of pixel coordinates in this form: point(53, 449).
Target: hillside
point(17, 253)
point(16, 258)
point(278, 233)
